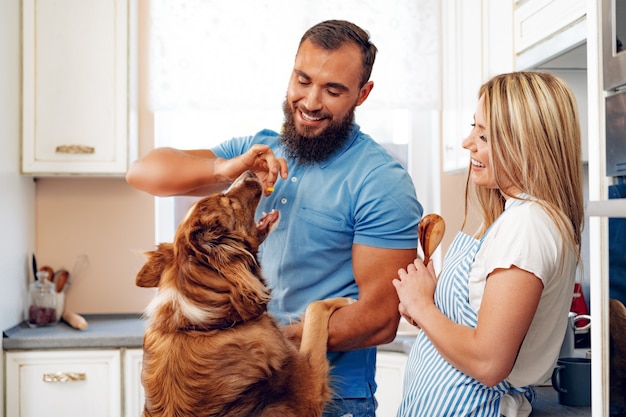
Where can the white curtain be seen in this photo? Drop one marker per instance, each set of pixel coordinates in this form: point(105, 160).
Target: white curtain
point(238, 54)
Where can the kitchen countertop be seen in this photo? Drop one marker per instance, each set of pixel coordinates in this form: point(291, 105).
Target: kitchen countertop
point(104, 331)
point(126, 330)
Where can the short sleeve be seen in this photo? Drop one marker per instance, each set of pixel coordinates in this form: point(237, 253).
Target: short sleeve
point(524, 236)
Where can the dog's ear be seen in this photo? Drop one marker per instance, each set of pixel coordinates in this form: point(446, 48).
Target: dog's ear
point(150, 275)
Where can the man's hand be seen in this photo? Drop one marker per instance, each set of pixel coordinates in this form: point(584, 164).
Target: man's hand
point(261, 160)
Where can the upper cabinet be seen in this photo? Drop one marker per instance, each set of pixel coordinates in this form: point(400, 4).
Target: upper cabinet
point(547, 28)
point(78, 104)
point(483, 38)
point(477, 43)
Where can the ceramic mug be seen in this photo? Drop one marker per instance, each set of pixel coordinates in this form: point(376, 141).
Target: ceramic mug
point(571, 379)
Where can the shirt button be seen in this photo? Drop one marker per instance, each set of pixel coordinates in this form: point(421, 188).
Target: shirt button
point(294, 179)
point(283, 200)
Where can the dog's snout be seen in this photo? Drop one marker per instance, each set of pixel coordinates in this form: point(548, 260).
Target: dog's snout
point(245, 178)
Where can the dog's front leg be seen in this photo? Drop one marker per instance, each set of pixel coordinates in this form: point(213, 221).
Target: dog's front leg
point(315, 330)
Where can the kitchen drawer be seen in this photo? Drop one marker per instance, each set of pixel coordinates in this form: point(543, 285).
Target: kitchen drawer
point(64, 383)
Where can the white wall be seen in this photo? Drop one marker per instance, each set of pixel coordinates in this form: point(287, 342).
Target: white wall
point(17, 228)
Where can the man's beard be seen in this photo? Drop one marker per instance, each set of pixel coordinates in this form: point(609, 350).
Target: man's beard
point(308, 150)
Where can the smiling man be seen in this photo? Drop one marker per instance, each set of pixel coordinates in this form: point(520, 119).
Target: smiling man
point(348, 209)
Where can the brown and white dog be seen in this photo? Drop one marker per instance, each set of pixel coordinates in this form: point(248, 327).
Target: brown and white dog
point(210, 348)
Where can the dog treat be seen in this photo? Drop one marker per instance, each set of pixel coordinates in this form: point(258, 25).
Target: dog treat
point(270, 189)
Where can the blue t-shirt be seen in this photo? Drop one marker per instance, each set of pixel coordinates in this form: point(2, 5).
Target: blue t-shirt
point(360, 195)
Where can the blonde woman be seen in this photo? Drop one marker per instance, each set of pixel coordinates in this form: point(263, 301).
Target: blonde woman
point(493, 323)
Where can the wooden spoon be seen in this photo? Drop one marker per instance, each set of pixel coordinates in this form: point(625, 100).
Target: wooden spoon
point(430, 232)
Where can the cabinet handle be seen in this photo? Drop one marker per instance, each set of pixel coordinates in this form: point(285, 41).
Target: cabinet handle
point(65, 377)
point(75, 149)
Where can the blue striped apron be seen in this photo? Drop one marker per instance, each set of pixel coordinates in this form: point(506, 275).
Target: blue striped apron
point(433, 387)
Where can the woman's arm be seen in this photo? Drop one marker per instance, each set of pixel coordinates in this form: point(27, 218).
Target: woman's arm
point(487, 352)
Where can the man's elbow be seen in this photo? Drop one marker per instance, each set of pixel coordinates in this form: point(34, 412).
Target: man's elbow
point(146, 183)
point(387, 333)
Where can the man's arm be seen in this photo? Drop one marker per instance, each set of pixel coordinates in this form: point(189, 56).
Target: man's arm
point(169, 171)
point(374, 318)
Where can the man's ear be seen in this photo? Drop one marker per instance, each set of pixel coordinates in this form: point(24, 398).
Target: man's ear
point(365, 92)
point(150, 275)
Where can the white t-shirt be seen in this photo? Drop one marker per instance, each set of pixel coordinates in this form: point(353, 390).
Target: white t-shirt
point(526, 236)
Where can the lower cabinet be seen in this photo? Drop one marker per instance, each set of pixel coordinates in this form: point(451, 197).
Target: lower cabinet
point(107, 382)
point(390, 380)
point(133, 390)
point(68, 383)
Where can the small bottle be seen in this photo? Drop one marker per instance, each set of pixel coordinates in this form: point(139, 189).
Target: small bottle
point(42, 306)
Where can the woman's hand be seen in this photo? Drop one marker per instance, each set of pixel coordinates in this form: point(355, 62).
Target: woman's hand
point(261, 160)
point(416, 289)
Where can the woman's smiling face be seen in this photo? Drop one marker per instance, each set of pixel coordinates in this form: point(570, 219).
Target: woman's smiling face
point(483, 172)
point(478, 145)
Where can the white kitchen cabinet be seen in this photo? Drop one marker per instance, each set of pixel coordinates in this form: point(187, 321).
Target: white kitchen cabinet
point(545, 28)
point(476, 45)
point(390, 380)
point(78, 101)
point(89, 382)
point(63, 383)
point(134, 396)
point(462, 75)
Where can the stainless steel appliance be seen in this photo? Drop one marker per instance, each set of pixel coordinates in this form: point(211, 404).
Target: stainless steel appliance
point(614, 78)
point(613, 39)
point(614, 81)
point(615, 114)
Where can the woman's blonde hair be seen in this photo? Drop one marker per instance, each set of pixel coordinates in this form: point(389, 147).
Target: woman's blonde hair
point(533, 129)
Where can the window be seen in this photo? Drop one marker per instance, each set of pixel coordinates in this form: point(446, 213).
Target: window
point(220, 70)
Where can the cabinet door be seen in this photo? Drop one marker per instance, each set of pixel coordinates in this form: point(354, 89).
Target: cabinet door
point(390, 380)
point(538, 20)
point(462, 76)
point(63, 383)
point(75, 87)
point(133, 390)
point(476, 45)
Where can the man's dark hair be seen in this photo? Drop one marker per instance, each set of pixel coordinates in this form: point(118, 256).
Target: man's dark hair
point(333, 34)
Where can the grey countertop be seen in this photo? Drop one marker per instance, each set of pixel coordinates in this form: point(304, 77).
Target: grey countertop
point(126, 330)
point(104, 331)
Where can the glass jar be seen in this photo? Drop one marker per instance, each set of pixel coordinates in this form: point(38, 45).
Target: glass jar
point(43, 308)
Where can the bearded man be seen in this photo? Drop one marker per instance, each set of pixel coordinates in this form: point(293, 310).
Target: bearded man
point(348, 209)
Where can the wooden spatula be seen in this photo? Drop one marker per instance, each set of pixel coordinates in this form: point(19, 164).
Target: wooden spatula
point(430, 232)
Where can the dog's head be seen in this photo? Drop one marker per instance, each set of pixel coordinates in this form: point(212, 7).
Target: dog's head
point(210, 274)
